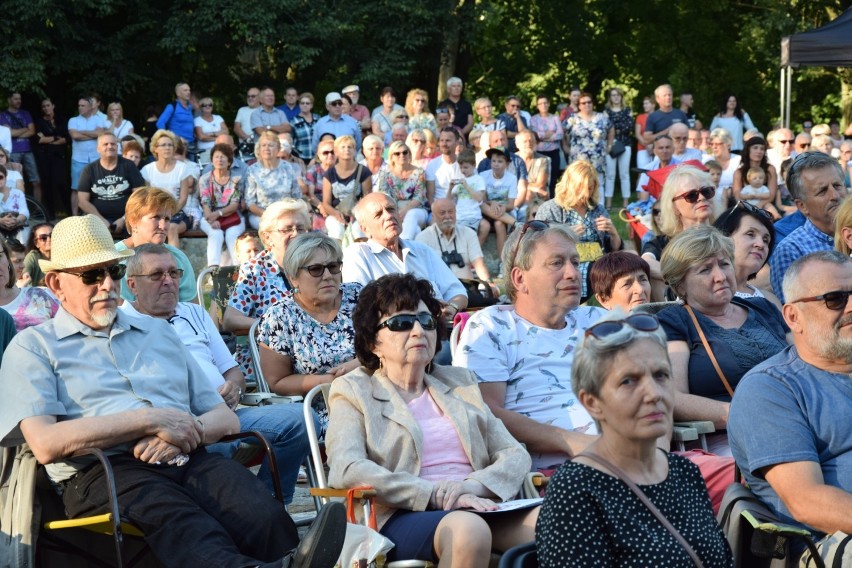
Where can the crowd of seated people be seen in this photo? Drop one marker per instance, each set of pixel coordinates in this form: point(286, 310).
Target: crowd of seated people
point(569, 369)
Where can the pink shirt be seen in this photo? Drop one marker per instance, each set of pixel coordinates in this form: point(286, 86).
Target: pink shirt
point(443, 454)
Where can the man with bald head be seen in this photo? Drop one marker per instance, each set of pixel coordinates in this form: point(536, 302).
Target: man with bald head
point(781, 143)
point(660, 121)
point(386, 253)
point(679, 133)
point(457, 244)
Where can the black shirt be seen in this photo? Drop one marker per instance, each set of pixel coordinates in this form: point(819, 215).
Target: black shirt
point(110, 189)
point(462, 111)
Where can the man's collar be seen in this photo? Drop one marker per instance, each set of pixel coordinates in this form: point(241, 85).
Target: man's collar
point(66, 325)
point(814, 230)
point(377, 247)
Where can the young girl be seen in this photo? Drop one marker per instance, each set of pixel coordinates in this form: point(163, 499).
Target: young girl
point(757, 193)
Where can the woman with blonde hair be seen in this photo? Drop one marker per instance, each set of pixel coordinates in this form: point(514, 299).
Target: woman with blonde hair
point(405, 183)
point(207, 127)
point(268, 180)
point(119, 125)
point(576, 205)
point(417, 142)
point(344, 184)
point(487, 122)
point(417, 107)
point(843, 227)
point(172, 175)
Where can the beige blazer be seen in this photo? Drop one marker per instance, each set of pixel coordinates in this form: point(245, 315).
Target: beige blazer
point(373, 439)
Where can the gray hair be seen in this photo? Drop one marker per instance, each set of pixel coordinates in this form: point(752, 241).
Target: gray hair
point(593, 357)
point(454, 81)
point(808, 161)
point(791, 285)
point(723, 135)
point(689, 248)
point(135, 263)
point(301, 248)
point(523, 258)
point(273, 212)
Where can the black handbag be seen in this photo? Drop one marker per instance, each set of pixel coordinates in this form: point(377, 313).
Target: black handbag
point(617, 149)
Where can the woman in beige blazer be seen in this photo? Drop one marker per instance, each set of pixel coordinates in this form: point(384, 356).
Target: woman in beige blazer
point(422, 435)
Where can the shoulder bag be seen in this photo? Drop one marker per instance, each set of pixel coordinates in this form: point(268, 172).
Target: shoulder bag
point(709, 351)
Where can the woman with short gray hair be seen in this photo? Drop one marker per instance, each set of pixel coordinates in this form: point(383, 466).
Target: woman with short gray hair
point(622, 376)
point(698, 265)
point(307, 338)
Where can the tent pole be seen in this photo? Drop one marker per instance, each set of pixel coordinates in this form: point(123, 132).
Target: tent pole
point(789, 91)
point(781, 97)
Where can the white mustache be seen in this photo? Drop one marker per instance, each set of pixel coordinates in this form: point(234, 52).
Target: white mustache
point(103, 296)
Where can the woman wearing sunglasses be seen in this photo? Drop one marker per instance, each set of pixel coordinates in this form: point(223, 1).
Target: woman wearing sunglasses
point(406, 185)
point(38, 248)
point(422, 433)
point(28, 306)
point(307, 338)
point(622, 376)
point(698, 265)
point(685, 201)
point(753, 234)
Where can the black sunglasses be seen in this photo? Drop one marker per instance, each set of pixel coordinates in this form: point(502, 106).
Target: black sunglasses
point(405, 322)
point(96, 275)
point(835, 301)
point(403, 153)
point(336, 103)
point(753, 209)
point(44, 237)
point(707, 192)
point(639, 322)
point(317, 270)
point(536, 226)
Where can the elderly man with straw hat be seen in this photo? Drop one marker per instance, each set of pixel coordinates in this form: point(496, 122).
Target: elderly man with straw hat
point(96, 377)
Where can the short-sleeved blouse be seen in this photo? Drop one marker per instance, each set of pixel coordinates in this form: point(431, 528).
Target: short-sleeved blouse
point(16, 202)
point(216, 195)
point(32, 306)
point(413, 186)
point(622, 122)
point(588, 139)
point(590, 518)
point(313, 177)
point(265, 186)
point(261, 284)
point(737, 350)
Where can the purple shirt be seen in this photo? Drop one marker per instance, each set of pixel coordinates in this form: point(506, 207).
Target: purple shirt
point(15, 120)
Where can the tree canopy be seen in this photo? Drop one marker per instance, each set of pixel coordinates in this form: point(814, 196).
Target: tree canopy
point(136, 51)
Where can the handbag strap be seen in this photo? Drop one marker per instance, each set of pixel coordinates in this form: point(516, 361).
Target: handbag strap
point(645, 501)
point(709, 351)
point(350, 508)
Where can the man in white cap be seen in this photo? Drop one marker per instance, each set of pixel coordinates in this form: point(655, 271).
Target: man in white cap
point(336, 123)
point(359, 112)
point(96, 377)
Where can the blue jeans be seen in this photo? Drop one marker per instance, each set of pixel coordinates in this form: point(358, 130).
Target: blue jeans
point(283, 425)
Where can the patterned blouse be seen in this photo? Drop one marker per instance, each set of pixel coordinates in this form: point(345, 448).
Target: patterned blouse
point(16, 203)
point(622, 121)
point(411, 187)
point(303, 134)
point(314, 347)
point(32, 306)
point(552, 211)
point(540, 125)
point(313, 177)
point(217, 196)
point(265, 186)
point(588, 139)
point(260, 285)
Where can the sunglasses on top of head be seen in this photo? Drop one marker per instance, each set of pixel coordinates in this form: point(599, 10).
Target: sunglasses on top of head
point(707, 192)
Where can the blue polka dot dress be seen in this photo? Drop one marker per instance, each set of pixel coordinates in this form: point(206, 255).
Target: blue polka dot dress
point(590, 518)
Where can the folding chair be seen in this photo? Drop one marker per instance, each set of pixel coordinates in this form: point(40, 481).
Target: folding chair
point(253, 448)
point(521, 556)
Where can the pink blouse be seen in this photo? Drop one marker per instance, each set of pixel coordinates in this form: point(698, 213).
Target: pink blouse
point(443, 453)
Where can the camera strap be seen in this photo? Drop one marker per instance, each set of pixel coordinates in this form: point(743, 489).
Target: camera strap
point(438, 233)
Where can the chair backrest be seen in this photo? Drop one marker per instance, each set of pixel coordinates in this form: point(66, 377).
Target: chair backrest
point(262, 385)
point(222, 279)
point(313, 437)
point(521, 556)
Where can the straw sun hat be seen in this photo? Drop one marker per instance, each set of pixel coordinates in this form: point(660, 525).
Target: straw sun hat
point(81, 242)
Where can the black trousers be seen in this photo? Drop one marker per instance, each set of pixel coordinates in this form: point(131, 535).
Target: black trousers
point(210, 512)
point(554, 156)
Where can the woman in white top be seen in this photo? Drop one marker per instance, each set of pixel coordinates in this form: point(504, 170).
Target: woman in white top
point(734, 119)
point(207, 127)
point(120, 126)
point(171, 175)
point(14, 179)
point(720, 146)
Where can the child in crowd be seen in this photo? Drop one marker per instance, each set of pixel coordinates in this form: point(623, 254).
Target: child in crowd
point(470, 193)
point(19, 252)
point(247, 246)
point(723, 194)
point(783, 199)
point(501, 189)
point(757, 193)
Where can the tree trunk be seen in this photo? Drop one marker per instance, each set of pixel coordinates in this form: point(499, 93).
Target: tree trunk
point(449, 54)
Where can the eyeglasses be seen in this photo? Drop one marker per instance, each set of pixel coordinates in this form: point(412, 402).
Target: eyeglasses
point(336, 103)
point(403, 116)
point(166, 145)
point(585, 102)
point(639, 322)
point(679, 138)
point(753, 209)
point(97, 275)
point(44, 237)
point(327, 153)
point(251, 96)
point(707, 192)
point(402, 153)
point(175, 274)
point(405, 322)
point(207, 105)
point(294, 230)
point(803, 146)
point(535, 225)
point(785, 141)
point(305, 102)
point(835, 301)
point(317, 270)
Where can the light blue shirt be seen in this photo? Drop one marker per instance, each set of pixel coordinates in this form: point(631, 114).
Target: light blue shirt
point(85, 151)
point(187, 289)
point(340, 127)
point(66, 369)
